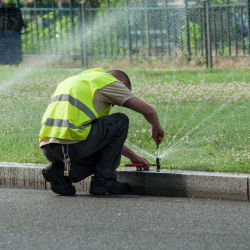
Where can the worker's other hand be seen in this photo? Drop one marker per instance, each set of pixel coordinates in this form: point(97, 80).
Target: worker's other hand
point(157, 134)
point(139, 159)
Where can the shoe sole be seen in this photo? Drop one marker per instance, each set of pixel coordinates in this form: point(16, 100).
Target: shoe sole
point(113, 191)
point(45, 175)
point(54, 189)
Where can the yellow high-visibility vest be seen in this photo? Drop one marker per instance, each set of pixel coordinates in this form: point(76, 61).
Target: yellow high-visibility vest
point(71, 108)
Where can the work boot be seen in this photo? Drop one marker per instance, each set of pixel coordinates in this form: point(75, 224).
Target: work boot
point(58, 182)
point(111, 186)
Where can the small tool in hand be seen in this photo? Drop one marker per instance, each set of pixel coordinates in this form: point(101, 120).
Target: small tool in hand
point(157, 157)
point(139, 166)
point(136, 165)
point(158, 164)
point(157, 148)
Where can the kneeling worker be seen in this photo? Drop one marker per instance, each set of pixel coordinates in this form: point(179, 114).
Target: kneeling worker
point(80, 138)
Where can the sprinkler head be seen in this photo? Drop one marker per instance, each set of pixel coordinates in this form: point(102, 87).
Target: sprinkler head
point(158, 164)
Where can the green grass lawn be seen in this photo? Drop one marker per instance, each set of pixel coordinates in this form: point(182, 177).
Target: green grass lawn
point(205, 114)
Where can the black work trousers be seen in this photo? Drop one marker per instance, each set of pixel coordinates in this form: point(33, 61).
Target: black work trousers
point(99, 154)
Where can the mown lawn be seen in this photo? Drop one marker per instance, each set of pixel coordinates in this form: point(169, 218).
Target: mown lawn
point(205, 114)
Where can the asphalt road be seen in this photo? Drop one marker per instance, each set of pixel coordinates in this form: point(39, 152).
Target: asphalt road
point(31, 219)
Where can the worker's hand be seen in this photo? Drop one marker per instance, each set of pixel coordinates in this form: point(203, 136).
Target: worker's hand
point(157, 134)
point(139, 159)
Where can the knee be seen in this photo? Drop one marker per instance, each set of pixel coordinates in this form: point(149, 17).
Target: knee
point(123, 119)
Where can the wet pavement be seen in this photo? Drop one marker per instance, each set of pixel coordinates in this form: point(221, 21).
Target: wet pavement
point(33, 219)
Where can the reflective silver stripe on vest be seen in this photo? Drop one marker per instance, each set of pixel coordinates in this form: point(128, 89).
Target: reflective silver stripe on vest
point(63, 123)
point(74, 102)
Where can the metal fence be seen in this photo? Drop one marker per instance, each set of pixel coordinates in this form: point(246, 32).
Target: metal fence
point(51, 31)
point(138, 30)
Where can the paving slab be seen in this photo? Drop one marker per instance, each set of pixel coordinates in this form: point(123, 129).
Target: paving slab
point(213, 185)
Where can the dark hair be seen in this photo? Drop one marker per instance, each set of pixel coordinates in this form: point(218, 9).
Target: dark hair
point(121, 76)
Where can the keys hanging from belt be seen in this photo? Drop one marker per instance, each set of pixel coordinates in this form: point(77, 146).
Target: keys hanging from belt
point(66, 166)
point(66, 161)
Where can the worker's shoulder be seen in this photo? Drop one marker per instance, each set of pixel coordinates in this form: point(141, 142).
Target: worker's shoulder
point(115, 93)
point(116, 84)
point(116, 87)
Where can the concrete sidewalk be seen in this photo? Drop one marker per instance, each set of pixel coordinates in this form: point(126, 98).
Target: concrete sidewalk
point(212, 185)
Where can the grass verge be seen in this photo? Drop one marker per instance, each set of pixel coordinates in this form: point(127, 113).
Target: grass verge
point(205, 114)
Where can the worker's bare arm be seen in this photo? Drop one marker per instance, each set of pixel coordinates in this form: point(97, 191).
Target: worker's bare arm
point(138, 105)
point(133, 157)
point(145, 109)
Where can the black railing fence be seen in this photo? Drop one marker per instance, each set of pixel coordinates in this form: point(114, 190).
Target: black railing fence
point(138, 29)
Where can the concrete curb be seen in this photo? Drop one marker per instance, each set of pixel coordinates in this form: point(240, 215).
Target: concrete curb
point(213, 185)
